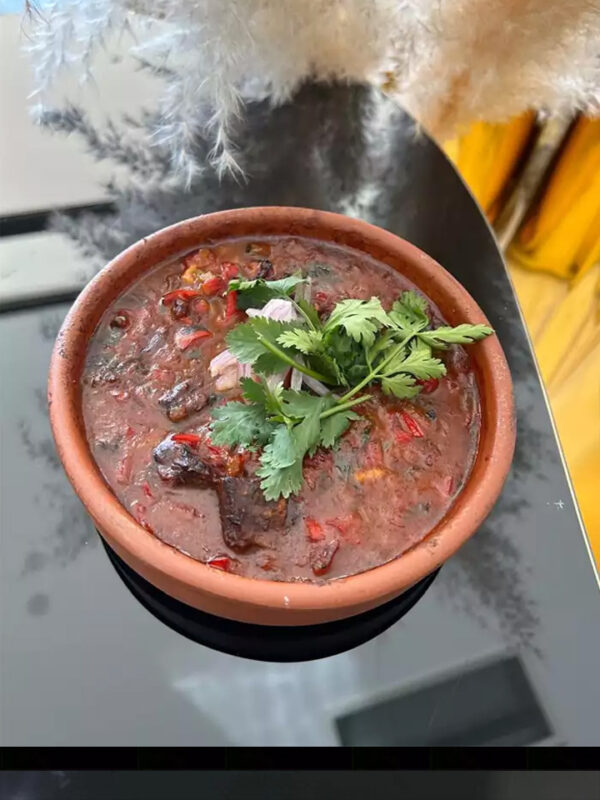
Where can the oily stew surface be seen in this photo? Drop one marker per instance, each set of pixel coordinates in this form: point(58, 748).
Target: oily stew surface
point(147, 401)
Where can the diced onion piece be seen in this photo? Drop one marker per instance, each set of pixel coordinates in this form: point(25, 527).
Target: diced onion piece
point(222, 362)
point(278, 309)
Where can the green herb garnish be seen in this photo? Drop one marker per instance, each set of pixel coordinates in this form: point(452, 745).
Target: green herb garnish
point(358, 344)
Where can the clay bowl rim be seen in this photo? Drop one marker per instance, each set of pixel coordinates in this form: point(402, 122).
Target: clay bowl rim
point(356, 592)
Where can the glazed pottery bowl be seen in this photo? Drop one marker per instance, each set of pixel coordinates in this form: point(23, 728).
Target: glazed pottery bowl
point(247, 599)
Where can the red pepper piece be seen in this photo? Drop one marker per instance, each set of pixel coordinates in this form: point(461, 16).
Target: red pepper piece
point(314, 529)
point(124, 469)
point(212, 286)
point(413, 426)
point(221, 562)
point(186, 438)
point(147, 490)
point(200, 306)
point(322, 557)
point(229, 270)
point(178, 294)
point(428, 386)
point(231, 306)
point(186, 338)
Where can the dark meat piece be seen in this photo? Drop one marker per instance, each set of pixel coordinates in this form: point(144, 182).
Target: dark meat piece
point(179, 308)
point(179, 463)
point(245, 512)
point(265, 270)
point(182, 400)
point(322, 556)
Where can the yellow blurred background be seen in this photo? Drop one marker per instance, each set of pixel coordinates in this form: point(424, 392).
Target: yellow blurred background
point(553, 255)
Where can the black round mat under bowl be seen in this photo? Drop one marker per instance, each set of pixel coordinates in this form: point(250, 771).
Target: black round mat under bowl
point(264, 642)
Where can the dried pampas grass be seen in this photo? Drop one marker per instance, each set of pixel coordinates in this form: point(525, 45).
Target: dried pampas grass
point(448, 61)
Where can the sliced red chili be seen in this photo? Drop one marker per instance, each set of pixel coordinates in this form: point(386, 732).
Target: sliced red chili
point(221, 562)
point(428, 386)
point(212, 286)
point(186, 438)
point(231, 306)
point(229, 270)
point(413, 426)
point(314, 529)
point(185, 338)
point(178, 294)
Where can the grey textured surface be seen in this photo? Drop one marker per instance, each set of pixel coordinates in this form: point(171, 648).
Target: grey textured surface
point(82, 663)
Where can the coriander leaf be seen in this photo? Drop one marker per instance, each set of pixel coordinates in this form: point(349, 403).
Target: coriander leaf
point(253, 391)
point(361, 319)
point(310, 311)
point(415, 303)
point(400, 385)
point(349, 356)
point(256, 293)
point(441, 338)
point(280, 482)
point(243, 342)
point(246, 342)
point(240, 424)
point(306, 341)
point(409, 313)
point(417, 361)
point(333, 427)
point(300, 404)
point(281, 451)
point(327, 366)
point(260, 392)
point(307, 433)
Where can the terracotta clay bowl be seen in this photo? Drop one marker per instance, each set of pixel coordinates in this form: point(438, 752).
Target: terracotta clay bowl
point(247, 599)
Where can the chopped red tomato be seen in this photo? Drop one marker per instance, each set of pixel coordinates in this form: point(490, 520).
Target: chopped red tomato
point(178, 294)
point(221, 562)
point(213, 285)
point(413, 426)
point(428, 386)
point(314, 529)
point(229, 270)
point(200, 306)
point(185, 338)
point(186, 438)
point(231, 307)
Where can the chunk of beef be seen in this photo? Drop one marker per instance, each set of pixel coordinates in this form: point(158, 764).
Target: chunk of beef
point(182, 400)
point(245, 513)
point(179, 463)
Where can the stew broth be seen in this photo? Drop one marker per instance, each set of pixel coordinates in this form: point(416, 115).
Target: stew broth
point(147, 400)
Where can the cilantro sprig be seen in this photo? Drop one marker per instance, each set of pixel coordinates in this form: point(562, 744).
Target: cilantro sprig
point(358, 344)
point(286, 424)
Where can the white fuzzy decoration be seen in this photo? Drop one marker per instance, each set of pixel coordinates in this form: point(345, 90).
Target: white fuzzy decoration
point(448, 61)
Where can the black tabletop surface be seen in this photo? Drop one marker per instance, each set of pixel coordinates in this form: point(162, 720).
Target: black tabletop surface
point(504, 648)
